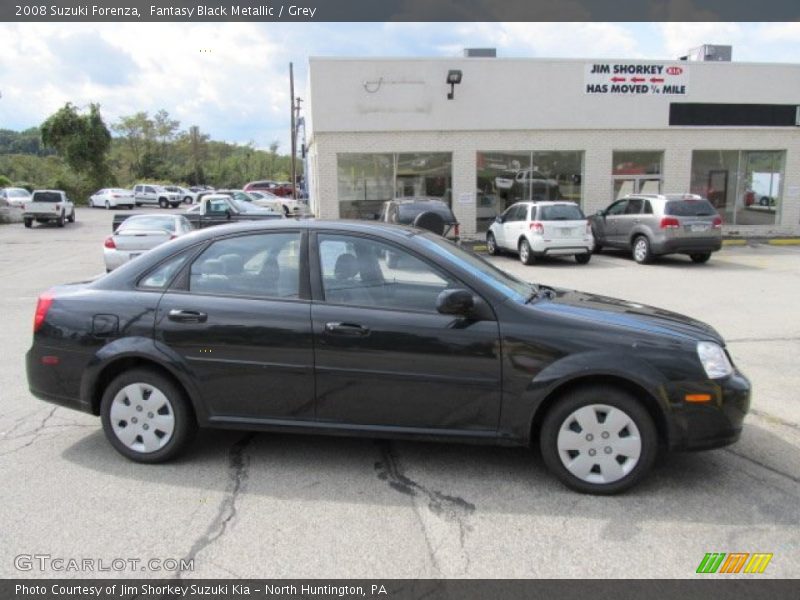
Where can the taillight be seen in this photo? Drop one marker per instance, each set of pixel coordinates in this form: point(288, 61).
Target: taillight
point(536, 227)
point(717, 223)
point(42, 306)
point(670, 223)
point(109, 243)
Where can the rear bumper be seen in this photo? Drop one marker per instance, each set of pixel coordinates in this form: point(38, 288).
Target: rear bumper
point(49, 383)
point(716, 423)
point(687, 245)
point(543, 247)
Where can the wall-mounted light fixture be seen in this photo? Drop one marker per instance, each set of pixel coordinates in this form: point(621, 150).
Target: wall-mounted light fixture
point(453, 78)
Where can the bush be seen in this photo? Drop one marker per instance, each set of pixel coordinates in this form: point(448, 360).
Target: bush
point(4, 181)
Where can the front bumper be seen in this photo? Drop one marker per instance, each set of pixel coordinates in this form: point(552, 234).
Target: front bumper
point(711, 424)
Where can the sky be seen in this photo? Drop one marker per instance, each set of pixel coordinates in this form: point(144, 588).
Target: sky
point(231, 79)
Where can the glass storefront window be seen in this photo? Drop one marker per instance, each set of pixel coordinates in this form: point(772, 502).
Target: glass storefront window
point(636, 172)
point(744, 185)
point(504, 178)
point(366, 181)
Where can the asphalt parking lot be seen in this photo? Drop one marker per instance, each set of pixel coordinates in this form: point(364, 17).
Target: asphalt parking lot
point(265, 505)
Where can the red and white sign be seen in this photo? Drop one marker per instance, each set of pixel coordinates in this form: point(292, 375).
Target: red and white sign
point(636, 79)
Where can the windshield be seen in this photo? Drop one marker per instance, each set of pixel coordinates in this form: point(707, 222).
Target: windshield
point(506, 284)
point(147, 223)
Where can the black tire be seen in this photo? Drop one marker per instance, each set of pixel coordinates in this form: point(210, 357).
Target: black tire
point(71, 217)
point(108, 205)
point(526, 256)
point(582, 259)
point(28, 223)
point(641, 251)
point(60, 220)
point(601, 396)
point(700, 258)
point(187, 200)
point(598, 248)
point(764, 201)
point(175, 205)
point(491, 245)
point(163, 203)
point(185, 423)
point(137, 204)
point(430, 221)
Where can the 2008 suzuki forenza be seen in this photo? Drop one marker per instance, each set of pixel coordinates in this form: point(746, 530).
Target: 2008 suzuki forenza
point(303, 326)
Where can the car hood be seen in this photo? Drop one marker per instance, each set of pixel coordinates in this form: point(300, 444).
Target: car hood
point(614, 312)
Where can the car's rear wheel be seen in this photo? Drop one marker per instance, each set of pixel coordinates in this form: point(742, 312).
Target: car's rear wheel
point(163, 203)
point(491, 244)
point(525, 252)
point(146, 416)
point(71, 217)
point(700, 258)
point(642, 253)
point(60, 220)
point(599, 440)
point(28, 223)
point(582, 259)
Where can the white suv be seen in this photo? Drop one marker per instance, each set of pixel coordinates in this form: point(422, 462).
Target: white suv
point(542, 229)
point(155, 194)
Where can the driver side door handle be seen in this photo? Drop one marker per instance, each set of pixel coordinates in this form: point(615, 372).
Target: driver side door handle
point(346, 329)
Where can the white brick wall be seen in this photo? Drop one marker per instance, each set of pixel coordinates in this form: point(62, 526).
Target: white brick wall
point(598, 146)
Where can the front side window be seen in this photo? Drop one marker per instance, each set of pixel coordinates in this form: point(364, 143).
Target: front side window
point(617, 208)
point(365, 272)
point(264, 265)
point(634, 206)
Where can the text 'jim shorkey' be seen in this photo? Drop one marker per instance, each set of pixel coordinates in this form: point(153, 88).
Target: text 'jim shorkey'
point(736, 562)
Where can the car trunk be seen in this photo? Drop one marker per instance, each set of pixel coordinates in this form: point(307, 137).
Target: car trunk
point(567, 230)
point(140, 240)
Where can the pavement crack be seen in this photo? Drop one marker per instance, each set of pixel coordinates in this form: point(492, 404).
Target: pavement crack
point(763, 465)
point(238, 472)
point(34, 434)
point(453, 509)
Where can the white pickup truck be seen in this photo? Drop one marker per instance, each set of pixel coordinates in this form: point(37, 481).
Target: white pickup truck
point(49, 206)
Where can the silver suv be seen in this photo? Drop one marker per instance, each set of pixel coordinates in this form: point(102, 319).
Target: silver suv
point(651, 225)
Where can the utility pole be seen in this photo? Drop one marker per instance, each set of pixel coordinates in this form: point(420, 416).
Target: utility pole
point(294, 131)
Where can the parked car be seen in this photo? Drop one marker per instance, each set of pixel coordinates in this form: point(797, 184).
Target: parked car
point(15, 196)
point(302, 326)
point(534, 229)
point(421, 211)
point(155, 194)
point(140, 233)
point(49, 206)
point(109, 198)
point(186, 195)
point(282, 189)
point(651, 225)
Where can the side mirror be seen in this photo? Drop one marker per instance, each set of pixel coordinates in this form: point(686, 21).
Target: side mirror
point(601, 213)
point(499, 219)
point(455, 302)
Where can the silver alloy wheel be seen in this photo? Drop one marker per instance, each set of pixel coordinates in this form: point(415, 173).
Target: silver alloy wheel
point(524, 250)
point(142, 417)
point(599, 443)
point(640, 249)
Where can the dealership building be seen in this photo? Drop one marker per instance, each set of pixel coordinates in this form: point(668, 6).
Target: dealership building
point(482, 132)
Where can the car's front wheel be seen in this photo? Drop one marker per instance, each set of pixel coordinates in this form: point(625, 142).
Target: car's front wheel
point(582, 259)
point(163, 203)
point(491, 244)
point(525, 253)
point(146, 416)
point(599, 440)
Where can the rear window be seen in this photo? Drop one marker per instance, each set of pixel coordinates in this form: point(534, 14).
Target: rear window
point(148, 223)
point(46, 197)
point(690, 208)
point(560, 212)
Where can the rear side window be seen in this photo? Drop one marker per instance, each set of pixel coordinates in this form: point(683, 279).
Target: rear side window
point(690, 208)
point(46, 197)
point(162, 275)
point(560, 212)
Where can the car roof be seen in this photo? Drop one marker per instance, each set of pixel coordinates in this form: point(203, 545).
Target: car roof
point(547, 202)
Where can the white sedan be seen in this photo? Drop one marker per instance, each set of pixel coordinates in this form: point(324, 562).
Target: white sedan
point(109, 198)
point(140, 233)
point(16, 196)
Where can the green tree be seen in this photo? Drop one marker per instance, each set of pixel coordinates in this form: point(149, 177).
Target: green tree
point(83, 140)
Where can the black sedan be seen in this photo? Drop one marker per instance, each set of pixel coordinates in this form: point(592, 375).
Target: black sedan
point(303, 326)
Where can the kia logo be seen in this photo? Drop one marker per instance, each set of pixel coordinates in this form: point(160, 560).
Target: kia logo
point(674, 70)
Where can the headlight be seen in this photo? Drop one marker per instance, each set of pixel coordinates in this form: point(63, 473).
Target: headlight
point(714, 360)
